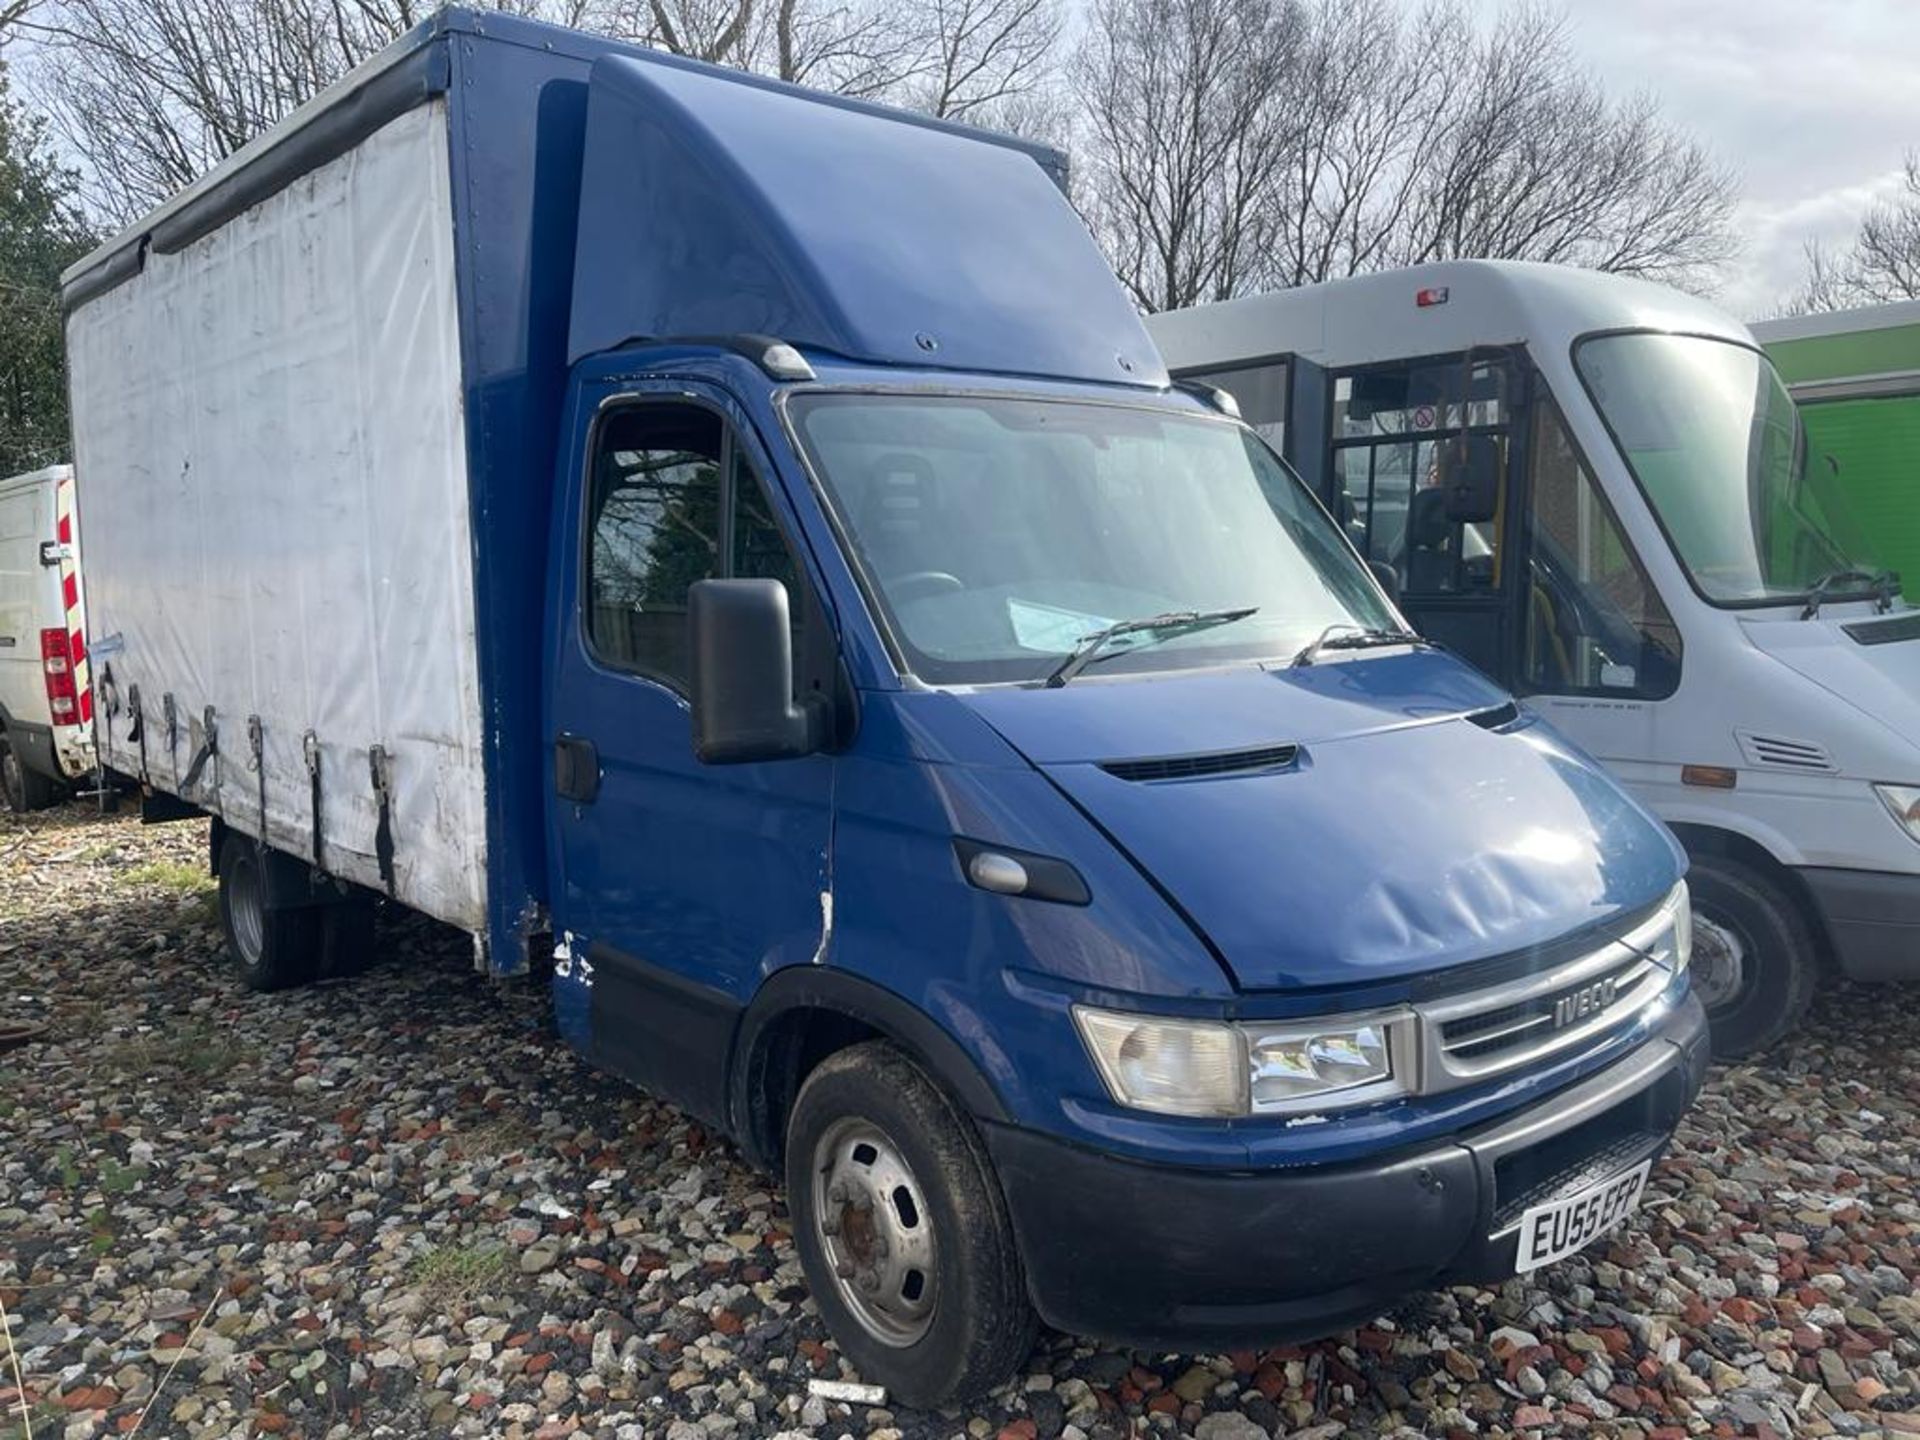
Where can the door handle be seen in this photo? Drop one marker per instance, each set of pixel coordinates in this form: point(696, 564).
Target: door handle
point(576, 769)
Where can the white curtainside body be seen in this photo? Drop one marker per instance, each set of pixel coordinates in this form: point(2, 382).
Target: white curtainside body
point(273, 475)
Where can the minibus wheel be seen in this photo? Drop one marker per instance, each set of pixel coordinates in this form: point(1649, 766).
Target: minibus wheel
point(272, 947)
point(1754, 966)
point(902, 1229)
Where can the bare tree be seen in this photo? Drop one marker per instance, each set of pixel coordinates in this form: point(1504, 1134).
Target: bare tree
point(1384, 138)
point(149, 94)
point(1881, 265)
point(1534, 161)
point(979, 55)
point(1183, 139)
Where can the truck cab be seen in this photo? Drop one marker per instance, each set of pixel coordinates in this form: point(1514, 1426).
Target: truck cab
point(1599, 491)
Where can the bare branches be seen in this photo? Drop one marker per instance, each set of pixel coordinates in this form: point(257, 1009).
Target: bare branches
point(1882, 264)
point(1376, 138)
point(1223, 145)
point(151, 93)
point(1184, 139)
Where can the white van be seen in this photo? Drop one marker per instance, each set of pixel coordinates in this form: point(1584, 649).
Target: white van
point(1598, 490)
point(46, 711)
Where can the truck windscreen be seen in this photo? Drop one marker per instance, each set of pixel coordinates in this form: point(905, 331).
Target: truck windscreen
point(997, 533)
point(1717, 446)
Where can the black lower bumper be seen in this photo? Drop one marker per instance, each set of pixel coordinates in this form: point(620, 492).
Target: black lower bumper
point(1168, 1259)
point(1873, 920)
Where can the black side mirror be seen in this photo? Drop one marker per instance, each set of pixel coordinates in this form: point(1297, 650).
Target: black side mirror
point(742, 676)
point(1388, 577)
point(1470, 479)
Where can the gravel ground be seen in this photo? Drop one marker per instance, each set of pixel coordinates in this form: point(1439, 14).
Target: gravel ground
point(399, 1206)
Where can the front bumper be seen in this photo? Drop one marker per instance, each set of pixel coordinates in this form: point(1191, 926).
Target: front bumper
point(1169, 1259)
point(1873, 920)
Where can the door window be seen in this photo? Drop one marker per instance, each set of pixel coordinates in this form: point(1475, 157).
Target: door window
point(1396, 428)
point(1595, 624)
point(672, 500)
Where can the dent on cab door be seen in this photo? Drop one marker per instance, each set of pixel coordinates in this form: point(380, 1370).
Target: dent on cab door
point(681, 884)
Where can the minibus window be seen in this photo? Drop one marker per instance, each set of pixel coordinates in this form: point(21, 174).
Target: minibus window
point(1391, 423)
point(1261, 390)
point(996, 533)
point(1595, 624)
point(1717, 447)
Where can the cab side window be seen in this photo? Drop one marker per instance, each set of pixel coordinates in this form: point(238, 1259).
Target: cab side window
point(672, 500)
point(1595, 624)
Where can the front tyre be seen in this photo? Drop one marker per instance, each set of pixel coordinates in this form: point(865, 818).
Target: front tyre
point(1754, 966)
point(903, 1231)
point(273, 948)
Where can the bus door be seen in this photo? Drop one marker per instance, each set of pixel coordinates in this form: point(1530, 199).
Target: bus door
point(1423, 458)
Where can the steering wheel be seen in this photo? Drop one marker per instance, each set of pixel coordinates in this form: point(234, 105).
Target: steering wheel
point(928, 582)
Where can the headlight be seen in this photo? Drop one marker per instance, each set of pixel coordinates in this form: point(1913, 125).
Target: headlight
point(1175, 1067)
point(1667, 935)
point(1298, 1068)
point(1185, 1067)
point(1903, 803)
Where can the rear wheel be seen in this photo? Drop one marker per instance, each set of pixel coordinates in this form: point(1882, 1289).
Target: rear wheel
point(24, 789)
point(902, 1229)
point(1754, 966)
point(273, 948)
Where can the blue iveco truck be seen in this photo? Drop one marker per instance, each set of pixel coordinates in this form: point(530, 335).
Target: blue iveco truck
point(741, 543)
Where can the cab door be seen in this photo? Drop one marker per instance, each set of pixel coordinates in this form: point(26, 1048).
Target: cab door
point(1596, 648)
point(1423, 459)
point(680, 884)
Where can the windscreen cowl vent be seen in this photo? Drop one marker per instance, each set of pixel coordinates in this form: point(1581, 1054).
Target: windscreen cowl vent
point(1885, 632)
point(1499, 717)
point(1200, 767)
point(1777, 754)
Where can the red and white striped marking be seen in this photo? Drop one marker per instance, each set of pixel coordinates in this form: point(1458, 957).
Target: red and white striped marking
point(70, 598)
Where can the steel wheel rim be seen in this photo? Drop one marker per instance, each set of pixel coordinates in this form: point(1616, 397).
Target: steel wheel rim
point(246, 912)
point(1719, 962)
point(874, 1227)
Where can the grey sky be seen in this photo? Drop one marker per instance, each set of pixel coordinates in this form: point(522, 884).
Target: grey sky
point(1812, 102)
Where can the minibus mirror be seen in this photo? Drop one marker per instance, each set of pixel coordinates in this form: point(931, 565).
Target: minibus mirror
point(741, 651)
point(1388, 577)
point(1471, 479)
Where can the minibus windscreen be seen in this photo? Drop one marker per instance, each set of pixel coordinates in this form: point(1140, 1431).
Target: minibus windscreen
point(1717, 446)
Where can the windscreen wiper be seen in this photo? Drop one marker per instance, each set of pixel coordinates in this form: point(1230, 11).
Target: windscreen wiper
point(1174, 622)
point(1342, 635)
point(1882, 584)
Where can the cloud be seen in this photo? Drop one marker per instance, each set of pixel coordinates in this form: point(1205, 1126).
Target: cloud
point(1811, 104)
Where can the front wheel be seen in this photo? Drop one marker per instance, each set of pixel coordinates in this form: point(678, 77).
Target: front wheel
point(902, 1229)
point(1754, 966)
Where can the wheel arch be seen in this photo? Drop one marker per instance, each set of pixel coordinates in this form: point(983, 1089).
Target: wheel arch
point(803, 1014)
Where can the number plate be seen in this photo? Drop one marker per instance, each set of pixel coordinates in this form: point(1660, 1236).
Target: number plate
point(1555, 1230)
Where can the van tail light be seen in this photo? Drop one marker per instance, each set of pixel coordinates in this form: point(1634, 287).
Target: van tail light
point(56, 662)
